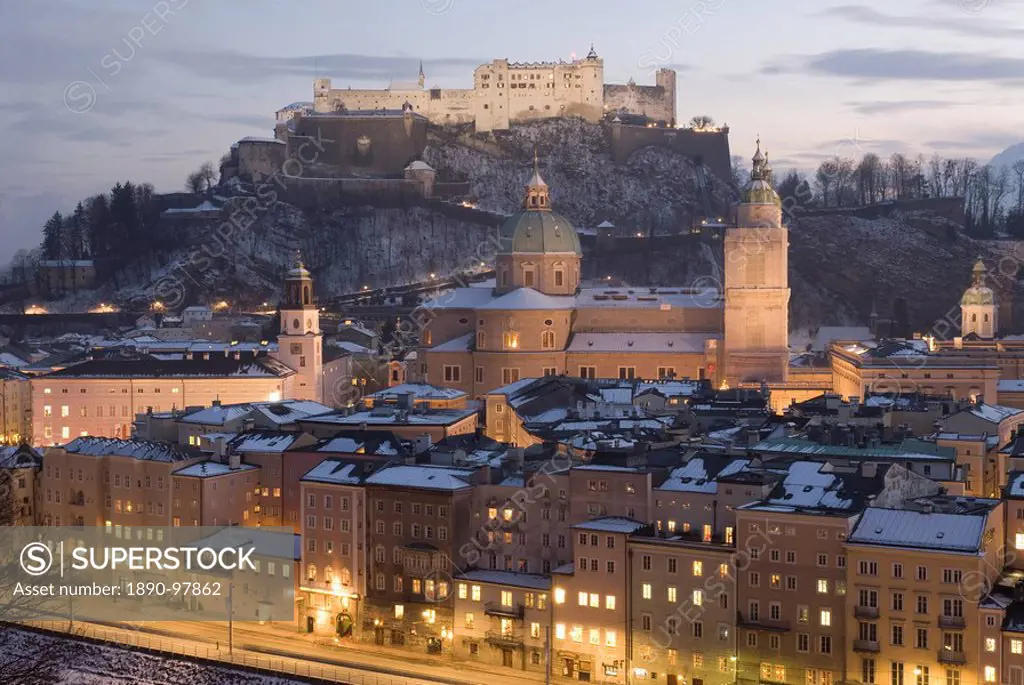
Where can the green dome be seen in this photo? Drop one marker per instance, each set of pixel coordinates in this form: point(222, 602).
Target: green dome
point(978, 295)
point(539, 231)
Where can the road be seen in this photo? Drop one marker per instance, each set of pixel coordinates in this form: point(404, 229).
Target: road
point(295, 652)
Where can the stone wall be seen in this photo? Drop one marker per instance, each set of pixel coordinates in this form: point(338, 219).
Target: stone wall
point(709, 147)
point(260, 159)
point(371, 144)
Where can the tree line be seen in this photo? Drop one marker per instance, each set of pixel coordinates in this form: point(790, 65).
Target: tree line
point(993, 196)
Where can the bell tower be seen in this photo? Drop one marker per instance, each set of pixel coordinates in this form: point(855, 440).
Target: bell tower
point(979, 309)
point(300, 341)
point(757, 284)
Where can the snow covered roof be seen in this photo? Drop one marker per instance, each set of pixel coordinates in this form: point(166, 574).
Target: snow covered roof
point(920, 530)
point(459, 298)
point(334, 472)
point(530, 581)
point(699, 474)
point(378, 444)
point(391, 415)
point(683, 388)
point(289, 411)
point(351, 347)
point(206, 206)
point(19, 457)
point(419, 165)
point(12, 360)
point(423, 477)
point(512, 388)
point(217, 415)
point(143, 450)
point(214, 367)
point(263, 441)
point(1010, 386)
point(460, 344)
point(906, 450)
point(665, 299)
point(639, 342)
point(260, 139)
point(993, 413)
point(526, 299)
point(421, 391)
point(1015, 484)
point(829, 334)
point(209, 469)
point(611, 524)
point(814, 487)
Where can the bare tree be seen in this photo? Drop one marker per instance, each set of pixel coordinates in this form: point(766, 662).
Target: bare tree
point(1018, 169)
point(702, 121)
point(824, 179)
point(208, 174)
point(194, 182)
point(868, 179)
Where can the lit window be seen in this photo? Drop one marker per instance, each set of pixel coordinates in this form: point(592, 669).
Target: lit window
point(822, 586)
point(595, 636)
point(492, 513)
point(826, 617)
point(463, 591)
point(609, 638)
point(560, 631)
point(698, 598)
point(507, 514)
point(595, 600)
point(399, 610)
point(645, 590)
point(990, 674)
point(577, 633)
point(560, 599)
point(506, 598)
point(1018, 541)
point(990, 644)
point(698, 568)
point(582, 599)
point(671, 593)
point(476, 593)
point(1016, 646)
point(609, 602)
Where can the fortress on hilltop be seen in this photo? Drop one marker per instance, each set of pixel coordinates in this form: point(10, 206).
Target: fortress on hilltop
point(506, 92)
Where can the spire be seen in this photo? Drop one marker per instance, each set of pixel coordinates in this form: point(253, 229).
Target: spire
point(593, 53)
point(979, 272)
point(537, 194)
point(422, 77)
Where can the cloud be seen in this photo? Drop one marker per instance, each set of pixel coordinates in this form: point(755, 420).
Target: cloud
point(895, 106)
point(874, 64)
point(962, 24)
point(235, 67)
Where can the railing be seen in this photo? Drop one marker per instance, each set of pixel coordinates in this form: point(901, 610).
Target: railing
point(763, 623)
point(509, 638)
point(498, 609)
point(865, 612)
point(865, 645)
point(949, 656)
point(952, 622)
point(128, 639)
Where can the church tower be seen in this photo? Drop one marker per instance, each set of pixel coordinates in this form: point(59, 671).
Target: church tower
point(978, 307)
point(756, 345)
point(300, 342)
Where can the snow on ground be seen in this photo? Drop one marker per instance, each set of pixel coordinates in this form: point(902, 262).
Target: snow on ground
point(83, 663)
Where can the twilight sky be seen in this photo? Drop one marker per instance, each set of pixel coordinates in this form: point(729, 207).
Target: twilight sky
point(84, 106)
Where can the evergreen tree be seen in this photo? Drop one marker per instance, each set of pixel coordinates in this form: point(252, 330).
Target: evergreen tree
point(75, 236)
point(53, 233)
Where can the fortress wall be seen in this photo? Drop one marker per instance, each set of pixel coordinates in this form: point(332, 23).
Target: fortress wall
point(711, 147)
point(258, 159)
point(651, 101)
point(393, 142)
point(319, 192)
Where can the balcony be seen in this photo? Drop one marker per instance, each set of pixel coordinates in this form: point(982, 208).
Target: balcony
point(865, 612)
point(504, 638)
point(497, 609)
point(948, 656)
point(865, 645)
point(952, 622)
point(761, 623)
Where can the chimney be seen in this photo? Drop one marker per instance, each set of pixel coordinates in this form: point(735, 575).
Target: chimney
point(234, 461)
point(422, 443)
point(405, 399)
point(220, 448)
point(869, 469)
point(216, 403)
point(248, 425)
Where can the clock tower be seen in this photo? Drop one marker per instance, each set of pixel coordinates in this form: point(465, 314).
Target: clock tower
point(300, 341)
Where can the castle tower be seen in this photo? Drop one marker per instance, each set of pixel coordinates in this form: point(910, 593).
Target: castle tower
point(667, 79)
point(979, 310)
point(756, 345)
point(300, 342)
point(322, 95)
point(591, 72)
point(539, 247)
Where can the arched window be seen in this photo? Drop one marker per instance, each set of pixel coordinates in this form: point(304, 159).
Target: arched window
point(481, 340)
point(311, 572)
point(305, 295)
point(511, 340)
point(547, 340)
point(974, 318)
point(986, 318)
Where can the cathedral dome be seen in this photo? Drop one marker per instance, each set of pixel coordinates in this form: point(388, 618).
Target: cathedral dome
point(536, 228)
point(537, 231)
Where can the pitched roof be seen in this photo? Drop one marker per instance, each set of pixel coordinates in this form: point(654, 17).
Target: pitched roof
point(611, 524)
point(920, 530)
point(143, 450)
point(423, 477)
point(210, 469)
point(525, 299)
point(151, 367)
